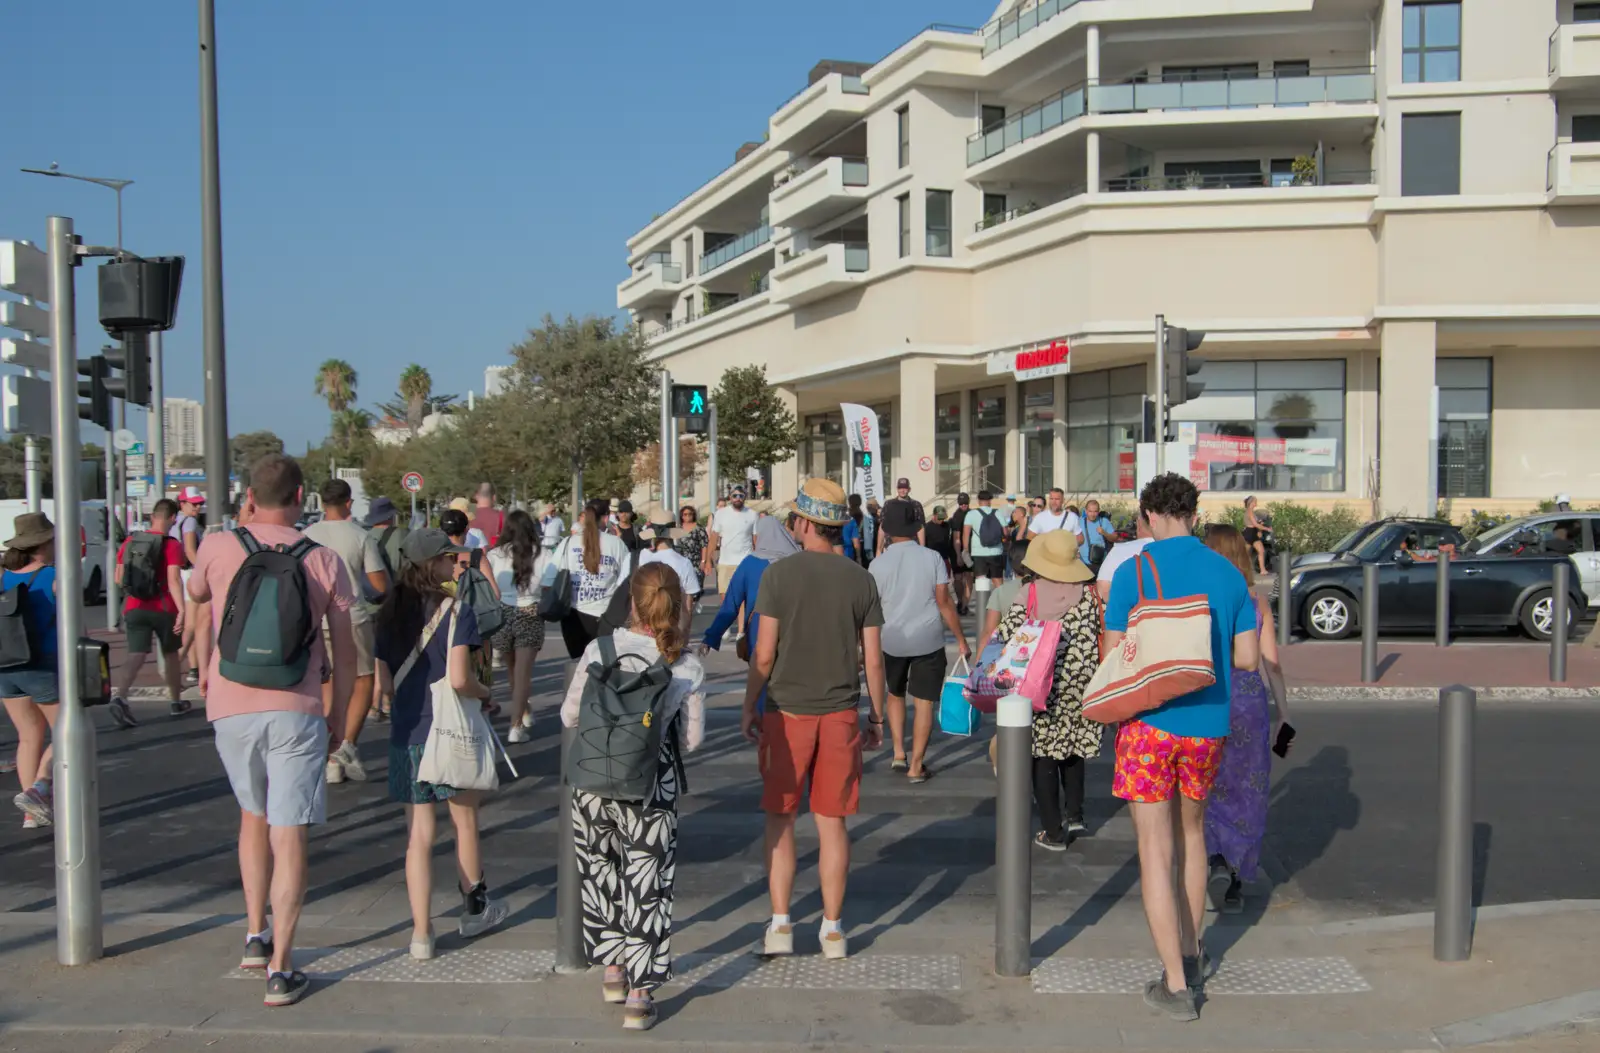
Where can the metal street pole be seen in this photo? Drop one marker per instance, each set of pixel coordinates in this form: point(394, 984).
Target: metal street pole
point(1013, 918)
point(1452, 912)
point(1558, 623)
point(112, 591)
point(666, 436)
point(1369, 623)
point(1285, 573)
point(711, 454)
point(677, 469)
point(79, 933)
point(216, 389)
point(115, 184)
point(157, 422)
point(570, 958)
point(1161, 393)
point(1441, 602)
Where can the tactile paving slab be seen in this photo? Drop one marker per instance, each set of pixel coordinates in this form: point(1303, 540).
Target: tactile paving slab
point(395, 965)
point(1234, 976)
point(868, 972)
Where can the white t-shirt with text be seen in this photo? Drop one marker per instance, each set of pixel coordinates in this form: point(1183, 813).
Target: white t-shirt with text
point(737, 529)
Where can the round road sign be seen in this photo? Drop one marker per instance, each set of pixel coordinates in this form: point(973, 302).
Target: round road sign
point(925, 463)
point(412, 481)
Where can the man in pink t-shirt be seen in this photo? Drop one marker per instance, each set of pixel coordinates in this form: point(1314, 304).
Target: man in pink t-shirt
point(274, 742)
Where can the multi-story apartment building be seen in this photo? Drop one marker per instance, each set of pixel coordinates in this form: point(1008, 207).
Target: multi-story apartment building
point(184, 421)
point(1385, 214)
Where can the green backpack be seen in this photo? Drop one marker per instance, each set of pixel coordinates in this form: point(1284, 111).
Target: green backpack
point(267, 630)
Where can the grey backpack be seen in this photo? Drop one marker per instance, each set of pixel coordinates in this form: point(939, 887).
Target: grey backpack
point(617, 751)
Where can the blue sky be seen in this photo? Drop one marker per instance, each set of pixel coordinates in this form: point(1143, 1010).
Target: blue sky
point(402, 181)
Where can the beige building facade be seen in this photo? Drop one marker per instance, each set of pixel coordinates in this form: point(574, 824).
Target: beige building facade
point(1384, 214)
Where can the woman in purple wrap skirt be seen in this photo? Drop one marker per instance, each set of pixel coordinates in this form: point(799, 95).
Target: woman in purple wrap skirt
point(1236, 811)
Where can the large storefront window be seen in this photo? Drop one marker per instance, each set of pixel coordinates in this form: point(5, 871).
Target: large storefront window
point(1105, 416)
point(1267, 426)
point(947, 443)
point(1465, 397)
point(988, 440)
point(1038, 435)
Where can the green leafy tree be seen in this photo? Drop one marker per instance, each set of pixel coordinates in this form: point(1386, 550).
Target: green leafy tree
point(336, 382)
point(186, 461)
point(754, 428)
point(250, 447)
point(584, 397)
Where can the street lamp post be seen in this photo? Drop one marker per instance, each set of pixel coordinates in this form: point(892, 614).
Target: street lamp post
point(114, 184)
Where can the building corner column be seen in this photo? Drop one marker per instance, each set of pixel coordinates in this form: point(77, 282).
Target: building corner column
point(1406, 432)
point(1014, 475)
point(1059, 431)
point(1092, 80)
point(785, 476)
point(914, 429)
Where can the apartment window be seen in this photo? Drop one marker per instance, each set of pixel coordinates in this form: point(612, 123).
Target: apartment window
point(1586, 126)
point(937, 220)
point(993, 115)
point(1586, 12)
point(1282, 171)
point(995, 204)
point(1222, 71)
point(1430, 154)
point(1038, 435)
point(1267, 426)
point(1105, 421)
point(903, 204)
point(1292, 68)
point(825, 447)
point(989, 439)
point(947, 444)
point(902, 119)
point(1431, 42)
point(1465, 398)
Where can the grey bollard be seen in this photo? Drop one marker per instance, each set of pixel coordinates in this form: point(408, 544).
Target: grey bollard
point(982, 589)
point(1285, 568)
point(1441, 603)
point(1369, 623)
point(1558, 622)
point(1013, 845)
point(1452, 911)
point(569, 893)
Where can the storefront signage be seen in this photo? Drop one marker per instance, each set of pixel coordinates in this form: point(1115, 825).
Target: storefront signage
point(1034, 361)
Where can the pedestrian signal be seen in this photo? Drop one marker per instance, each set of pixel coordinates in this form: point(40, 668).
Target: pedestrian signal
point(861, 459)
point(689, 402)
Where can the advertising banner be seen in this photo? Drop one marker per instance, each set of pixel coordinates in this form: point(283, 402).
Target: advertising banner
point(862, 434)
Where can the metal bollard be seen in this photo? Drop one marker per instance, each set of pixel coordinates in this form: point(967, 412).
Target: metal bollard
point(982, 589)
point(569, 893)
point(1452, 911)
point(1285, 630)
point(1013, 847)
point(1369, 623)
point(1441, 603)
point(1558, 623)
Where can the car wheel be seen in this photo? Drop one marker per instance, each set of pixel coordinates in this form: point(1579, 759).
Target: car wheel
point(1330, 615)
point(1538, 615)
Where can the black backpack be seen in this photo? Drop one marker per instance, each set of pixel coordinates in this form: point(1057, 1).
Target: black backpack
point(475, 590)
point(144, 566)
point(382, 541)
point(990, 532)
point(617, 751)
point(19, 640)
point(267, 629)
point(619, 609)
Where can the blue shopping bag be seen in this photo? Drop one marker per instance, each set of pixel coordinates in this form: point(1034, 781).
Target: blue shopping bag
point(957, 716)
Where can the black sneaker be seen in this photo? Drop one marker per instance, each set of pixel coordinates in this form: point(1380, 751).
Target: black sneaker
point(1233, 899)
point(286, 988)
point(257, 953)
point(1198, 969)
point(1048, 843)
point(1179, 1005)
point(179, 706)
point(1075, 826)
point(121, 712)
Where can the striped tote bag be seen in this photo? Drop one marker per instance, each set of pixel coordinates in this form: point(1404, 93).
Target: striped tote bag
point(1166, 652)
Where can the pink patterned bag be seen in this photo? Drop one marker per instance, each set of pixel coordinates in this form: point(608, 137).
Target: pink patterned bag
point(1023, 665)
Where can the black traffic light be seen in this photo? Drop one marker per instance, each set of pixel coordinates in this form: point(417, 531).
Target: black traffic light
point(689, 402)
point(1178, 342)
point(98, 408)
point(140, 294)
point(133, 359)
point(861, 459)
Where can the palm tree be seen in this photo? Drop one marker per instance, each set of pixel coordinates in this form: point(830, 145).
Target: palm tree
point(1292, 414)
point(416, 385)
point(350, 427)
point(336, 382)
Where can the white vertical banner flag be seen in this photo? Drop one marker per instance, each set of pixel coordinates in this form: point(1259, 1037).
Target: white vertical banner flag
point(861, 432)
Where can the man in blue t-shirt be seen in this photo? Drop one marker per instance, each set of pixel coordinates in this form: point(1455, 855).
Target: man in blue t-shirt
point(1178, 746)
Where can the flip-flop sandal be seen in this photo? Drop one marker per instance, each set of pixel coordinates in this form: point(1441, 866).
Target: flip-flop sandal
point(900, 765)
point(922, 776)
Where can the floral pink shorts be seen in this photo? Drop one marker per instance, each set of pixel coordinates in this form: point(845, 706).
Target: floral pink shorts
point(1150, 762)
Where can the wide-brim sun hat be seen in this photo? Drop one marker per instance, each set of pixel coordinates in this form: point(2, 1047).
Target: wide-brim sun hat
point(461, 504)
point(823, 502)
point(33, 529)
point(1054, 556)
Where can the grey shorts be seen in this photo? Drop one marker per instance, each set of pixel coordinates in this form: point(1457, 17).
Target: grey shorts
point(277, 763)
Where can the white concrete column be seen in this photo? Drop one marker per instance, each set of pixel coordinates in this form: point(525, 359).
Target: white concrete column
point(968, 462)
point(1060, 472)
point(1091, 175)
point(1013, 473)
point(1092, 144)
point(1092, 55)
point(786, 476)
point(1406, 431)
point(914, 430)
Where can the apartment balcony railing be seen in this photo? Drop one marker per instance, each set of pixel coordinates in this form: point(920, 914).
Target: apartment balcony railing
point(1009, 27)
point(856, 257)
point(1236, 181)
point(748, 242)
point(1271, 89)
point(852, 84)
point(659, 256)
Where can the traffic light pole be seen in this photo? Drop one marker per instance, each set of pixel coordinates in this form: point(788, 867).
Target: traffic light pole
point(711, 455)
point(112, 592)
point(79, 932)
point(1161, 393)
point(157, 423)
point(215, 352)
point(666, 438)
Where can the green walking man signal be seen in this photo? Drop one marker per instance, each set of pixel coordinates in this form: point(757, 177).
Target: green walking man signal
point(689, 402)
point(861, 458)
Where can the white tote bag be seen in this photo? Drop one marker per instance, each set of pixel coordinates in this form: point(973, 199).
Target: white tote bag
point(461, 746)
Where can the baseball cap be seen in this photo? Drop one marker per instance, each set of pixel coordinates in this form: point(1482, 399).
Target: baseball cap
point(192, 495)
point(899, 520)
point(902, 484)
point(963, 499)
point(423, 545)
point(624, 506)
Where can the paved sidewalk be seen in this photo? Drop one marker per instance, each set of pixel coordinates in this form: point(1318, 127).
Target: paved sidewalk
point(1313, 668)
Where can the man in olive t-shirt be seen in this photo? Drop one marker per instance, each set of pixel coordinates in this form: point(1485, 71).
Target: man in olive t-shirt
point(820, 625)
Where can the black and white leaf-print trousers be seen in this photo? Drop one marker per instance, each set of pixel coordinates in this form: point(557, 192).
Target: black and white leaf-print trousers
point(627, 851)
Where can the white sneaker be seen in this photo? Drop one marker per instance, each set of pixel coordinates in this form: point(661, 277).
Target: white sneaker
point(834, 945)
point(422, 950)
point(779, 941)
point(518, 734)
point(351, 763)
point(527, 719)
point(335, 770)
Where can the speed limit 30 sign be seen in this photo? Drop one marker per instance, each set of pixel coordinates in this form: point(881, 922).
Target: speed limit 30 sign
point(412, 481)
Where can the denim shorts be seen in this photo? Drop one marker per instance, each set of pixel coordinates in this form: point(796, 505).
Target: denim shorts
point(277, 763)
point(41, 685)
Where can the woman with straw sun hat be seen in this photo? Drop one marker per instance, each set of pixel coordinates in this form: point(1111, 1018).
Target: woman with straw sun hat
point(1058, 586)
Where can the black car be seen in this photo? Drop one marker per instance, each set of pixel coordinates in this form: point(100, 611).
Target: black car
point(1430, 535)
point(1485, 592)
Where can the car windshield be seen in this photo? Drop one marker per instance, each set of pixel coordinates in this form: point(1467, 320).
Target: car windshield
point(1374, 546)
point(1490, 538)
point(1348, 542)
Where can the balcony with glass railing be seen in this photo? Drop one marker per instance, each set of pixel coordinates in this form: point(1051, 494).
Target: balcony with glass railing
point(813, 189)
point(821, 271)
point(818, 111)
point(655, 279)
point(727, 253)
point(1268, 90)
point(1241, 180)
point(1572, 174)
point(1575, 56)
point(1015, 25)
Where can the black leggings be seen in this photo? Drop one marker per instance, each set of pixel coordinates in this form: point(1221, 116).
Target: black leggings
point(1052, 780)
point(578, 631)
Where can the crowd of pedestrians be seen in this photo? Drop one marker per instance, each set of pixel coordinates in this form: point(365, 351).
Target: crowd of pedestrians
point(398, 622)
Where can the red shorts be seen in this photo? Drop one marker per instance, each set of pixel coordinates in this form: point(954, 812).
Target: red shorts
point(1151, 762)
point(826, 749)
